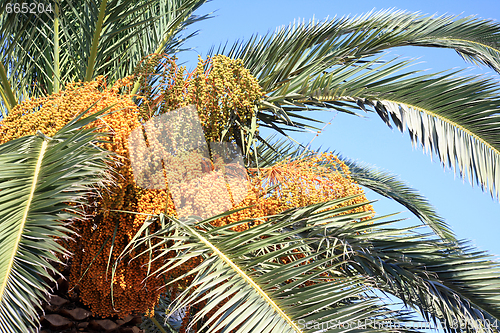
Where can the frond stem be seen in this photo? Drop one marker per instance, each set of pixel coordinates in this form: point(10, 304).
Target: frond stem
point(95, 42)
point(460, 127)
point(6, 102)
point(41, 155)
point(474, 42)
point(57, 71)
point(240, 272)
point(6, 86)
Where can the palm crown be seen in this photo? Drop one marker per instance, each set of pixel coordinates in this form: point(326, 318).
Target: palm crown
point(307, 264)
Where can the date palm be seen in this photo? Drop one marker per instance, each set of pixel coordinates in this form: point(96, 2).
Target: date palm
point(330, 65)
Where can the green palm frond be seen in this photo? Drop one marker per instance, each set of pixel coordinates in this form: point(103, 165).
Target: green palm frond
point(43, 182)
point(257, 279)
point(331, 65)
point(247, 284)
point(307, 49)
point(454, 117)
point(449, 282)
point(109, 39)
point(389, 186)
point(128, 33)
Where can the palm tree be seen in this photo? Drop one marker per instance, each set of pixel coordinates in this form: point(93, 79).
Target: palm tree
point(330, 65)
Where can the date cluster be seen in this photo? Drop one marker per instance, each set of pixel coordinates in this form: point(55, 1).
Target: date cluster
point(28, 8)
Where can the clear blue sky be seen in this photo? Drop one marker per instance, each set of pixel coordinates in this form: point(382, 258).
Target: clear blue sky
point(471, 213)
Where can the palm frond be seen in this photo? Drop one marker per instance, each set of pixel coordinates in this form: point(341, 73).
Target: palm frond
point(247, 282)
point(455, 117)
point(7, 95)
point(447, 282)
point(330, 65)
point(307, 49)
point(109, 39)
point(313, 264)
point(128, 33)
point(459, 122)
point(43, 182)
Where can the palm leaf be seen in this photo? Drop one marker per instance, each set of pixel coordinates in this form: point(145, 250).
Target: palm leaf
point(330, 65)
point(43, 181)
point(262, 292)
point(447, 282)
point(110, 39)
point(307, 49)
point(454, 117)
point(247, 286)
point(129, 32)
point(7, 94)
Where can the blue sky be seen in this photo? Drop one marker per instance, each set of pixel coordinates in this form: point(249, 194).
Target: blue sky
point(471, 213)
